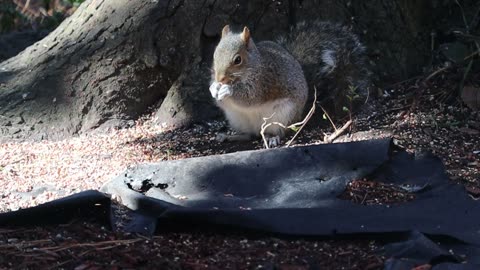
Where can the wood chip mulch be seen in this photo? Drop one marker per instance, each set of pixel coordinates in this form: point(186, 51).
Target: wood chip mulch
point(90, 246)
point(374, 193)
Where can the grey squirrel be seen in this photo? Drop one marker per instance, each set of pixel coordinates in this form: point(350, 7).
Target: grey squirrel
point(252, 81)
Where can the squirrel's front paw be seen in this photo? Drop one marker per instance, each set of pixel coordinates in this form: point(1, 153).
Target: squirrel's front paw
point(214, 88)
point(225, 91)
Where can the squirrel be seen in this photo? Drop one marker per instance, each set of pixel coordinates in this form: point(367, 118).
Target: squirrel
point(253, 81)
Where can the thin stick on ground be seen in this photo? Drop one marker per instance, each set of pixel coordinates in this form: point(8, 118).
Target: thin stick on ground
point(471, 55)
point(102, 244)
point(328, 117)
point(338, 132)
point(433, 74)
point(302, 124)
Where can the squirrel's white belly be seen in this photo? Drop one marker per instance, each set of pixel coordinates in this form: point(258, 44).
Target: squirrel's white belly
point(250, 119)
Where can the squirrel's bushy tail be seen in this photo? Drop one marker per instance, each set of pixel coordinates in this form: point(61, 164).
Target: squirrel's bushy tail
point(332, 58)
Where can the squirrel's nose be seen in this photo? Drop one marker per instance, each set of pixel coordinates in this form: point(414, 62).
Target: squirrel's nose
point(223, 79)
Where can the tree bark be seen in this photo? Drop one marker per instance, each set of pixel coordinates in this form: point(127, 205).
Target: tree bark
point(114, 60)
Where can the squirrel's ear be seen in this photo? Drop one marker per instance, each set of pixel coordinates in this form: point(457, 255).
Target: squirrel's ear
point(225, 30)
point(245, 35)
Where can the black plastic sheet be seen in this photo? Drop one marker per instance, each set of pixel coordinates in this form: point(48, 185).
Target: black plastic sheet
point(294, 191)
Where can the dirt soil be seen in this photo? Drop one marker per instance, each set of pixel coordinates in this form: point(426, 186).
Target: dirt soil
point(420, 115)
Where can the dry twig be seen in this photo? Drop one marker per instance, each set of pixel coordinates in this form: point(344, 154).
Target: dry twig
point(338, 132)
point(329, 118)
point(98, 245)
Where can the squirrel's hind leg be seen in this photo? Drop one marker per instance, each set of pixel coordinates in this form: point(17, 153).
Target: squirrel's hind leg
point(273, 141)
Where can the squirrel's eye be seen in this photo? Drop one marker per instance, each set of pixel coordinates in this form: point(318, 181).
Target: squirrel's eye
point(237, 60)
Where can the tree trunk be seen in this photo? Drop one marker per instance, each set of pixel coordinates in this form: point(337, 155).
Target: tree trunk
point(114, 60)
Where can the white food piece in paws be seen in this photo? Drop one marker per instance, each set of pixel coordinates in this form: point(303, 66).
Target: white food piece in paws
point(225, 91)
point(214, 87)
